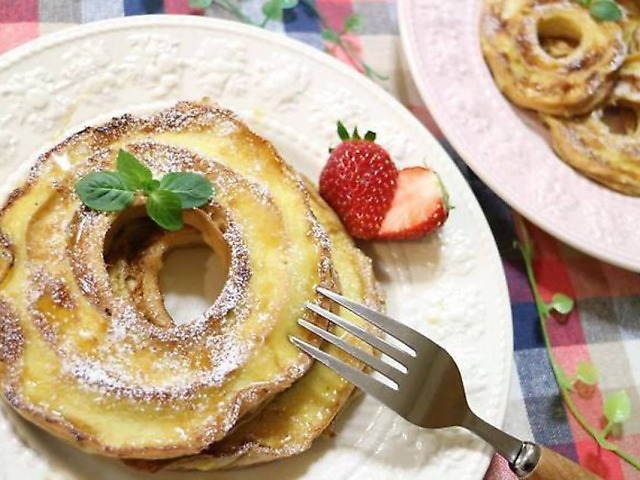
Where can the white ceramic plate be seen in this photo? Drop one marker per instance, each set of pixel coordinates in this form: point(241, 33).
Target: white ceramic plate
point(450, 286)
point(503, 146)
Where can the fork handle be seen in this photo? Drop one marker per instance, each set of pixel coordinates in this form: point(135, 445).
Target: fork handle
point(526, 459)
point(552, 466)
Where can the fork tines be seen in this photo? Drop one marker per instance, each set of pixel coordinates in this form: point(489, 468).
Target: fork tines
point(352, 374)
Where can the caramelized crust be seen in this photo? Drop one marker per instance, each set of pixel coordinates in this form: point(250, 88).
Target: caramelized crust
point(81, 358)
point(589, 145)
point(295, 418)
point(563, 81)
point(553, 57)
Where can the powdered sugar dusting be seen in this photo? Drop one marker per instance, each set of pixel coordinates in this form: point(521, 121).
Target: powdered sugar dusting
point(90, 312)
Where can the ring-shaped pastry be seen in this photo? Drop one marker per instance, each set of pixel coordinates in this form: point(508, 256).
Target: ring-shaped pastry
point(573, 80)
point(607, 152)
point(81, 359)
point(288, 424)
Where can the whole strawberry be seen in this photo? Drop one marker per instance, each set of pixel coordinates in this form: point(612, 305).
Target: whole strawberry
point(359, 182)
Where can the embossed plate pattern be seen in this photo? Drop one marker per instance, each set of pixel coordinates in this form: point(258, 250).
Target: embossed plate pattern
point(450, 286)
point(509, 151)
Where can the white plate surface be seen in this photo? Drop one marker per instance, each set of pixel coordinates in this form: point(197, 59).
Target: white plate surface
point(450, 286)
point(505, 147)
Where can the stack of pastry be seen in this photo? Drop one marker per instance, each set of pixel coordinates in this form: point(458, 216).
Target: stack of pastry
point(580, 74)
point(87, 349)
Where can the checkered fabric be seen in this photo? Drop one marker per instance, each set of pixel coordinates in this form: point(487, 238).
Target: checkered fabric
point(605, 326)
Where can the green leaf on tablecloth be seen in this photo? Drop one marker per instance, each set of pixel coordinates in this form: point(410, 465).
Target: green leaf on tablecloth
point(200, 3)
point(352, 23)
point(330, 36)
point(587, 372)
point(617, 407)
point(272, 10)
point(561, 303)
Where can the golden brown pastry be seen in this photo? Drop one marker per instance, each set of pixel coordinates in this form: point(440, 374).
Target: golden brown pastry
point(95, 363)
point(604, 145)
point(573, 75)
point(630, 23)
point(627, 87)
point(295, 418)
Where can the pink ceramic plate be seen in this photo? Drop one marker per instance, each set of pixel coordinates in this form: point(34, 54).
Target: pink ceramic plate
point(503, 145)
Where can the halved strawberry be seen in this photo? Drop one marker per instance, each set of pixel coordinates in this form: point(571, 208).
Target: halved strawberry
point(375, 201)
point(419, 206)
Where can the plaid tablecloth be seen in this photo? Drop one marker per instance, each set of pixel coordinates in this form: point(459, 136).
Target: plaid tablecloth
point(605, 326)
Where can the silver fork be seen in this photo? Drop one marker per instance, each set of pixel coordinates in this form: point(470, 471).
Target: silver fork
point(430, 393)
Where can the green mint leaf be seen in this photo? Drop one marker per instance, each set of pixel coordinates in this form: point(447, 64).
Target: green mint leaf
point(562, 303)
point(193, 189)
point(586, 372)
point(289, 4)
point(165, 208)
point(606, 10)
point(617, 407)
point(104, 191)
point(200, 3)
point(151, 185)
point(330, 36)
point(342, 132)
point(352, 23)
point(272, 9)
point(370, 136)
point(356, 135)
point(134, 173)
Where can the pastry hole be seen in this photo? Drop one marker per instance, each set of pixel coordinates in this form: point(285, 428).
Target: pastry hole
point(190, 281)
point(171, 277)
point(558, 36)
point(620, 120)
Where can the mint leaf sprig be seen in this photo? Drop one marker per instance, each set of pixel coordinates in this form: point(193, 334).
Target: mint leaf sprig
point(604, 10)
point(617, 406)
point(109, 191)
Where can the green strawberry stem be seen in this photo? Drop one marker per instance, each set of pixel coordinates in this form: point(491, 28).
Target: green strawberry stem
point(345, 136)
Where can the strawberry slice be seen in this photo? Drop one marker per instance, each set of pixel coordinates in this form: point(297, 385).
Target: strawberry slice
point(419, 206)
